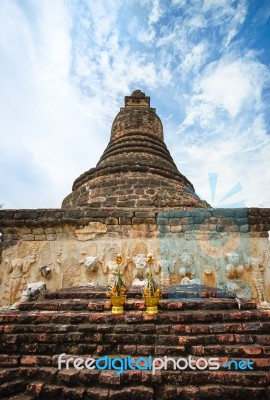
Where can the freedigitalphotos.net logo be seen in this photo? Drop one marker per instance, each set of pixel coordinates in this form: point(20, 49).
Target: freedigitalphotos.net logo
point(150, 364)
point(216, 202)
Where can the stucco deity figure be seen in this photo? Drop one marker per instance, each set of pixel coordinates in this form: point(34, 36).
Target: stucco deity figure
point(32, 292)
point(234, 269)
point(19, 270)
point(255, 265)
point(45, 271)
point(240, 288)
point(165, 267)
point(186, 270)
point(140, 269)
point(91, 264)
point(115, 264)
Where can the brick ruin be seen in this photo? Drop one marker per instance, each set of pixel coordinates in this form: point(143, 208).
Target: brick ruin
point(134, 203)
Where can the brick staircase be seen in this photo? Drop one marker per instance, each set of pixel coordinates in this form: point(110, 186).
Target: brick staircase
point(78, 322)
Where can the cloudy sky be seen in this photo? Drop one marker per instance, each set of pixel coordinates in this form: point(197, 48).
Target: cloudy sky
point(65, 67)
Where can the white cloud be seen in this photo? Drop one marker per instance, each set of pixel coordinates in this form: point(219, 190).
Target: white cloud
point(41, 113)
point(70, 64)
point(196, 58)
point(227, 85)
point(155, 12)
point(224, 130)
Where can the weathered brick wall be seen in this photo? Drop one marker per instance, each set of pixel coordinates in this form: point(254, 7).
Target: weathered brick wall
point(53, 224)
point(128, 190)
point(253, 221)
point(63, 238)
point(135, 160)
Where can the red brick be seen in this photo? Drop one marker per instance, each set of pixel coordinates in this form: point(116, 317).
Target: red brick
point(107, 305)
point(167, 392)
point(8, 388)
point(96, 394)
point(145, 350)
point(8, 374)
point(266, 350)
point(197, 329)
point(197, 350)
point(134, 316)
point(47, 373)
point(252, 327)
point(42, 337)
point(175, 306)
point(261, 362)
point(160, 329)
point(131, 377)
point(69, 376)
point(93, 306)
point(110, 378)
point(189, 391)
point(243, 338)
point(263, 339)
point(252, 350)
point(226, 338)
point(121, 394)
point(35, 387)
point(73, 393)
point(11, 339)
point(211, 392)
point(8, 360)
point(150, 317)
point(126, 349)
point(88, 376)
point(29, 347)
point(36, 360)
point(142, 393)
point(51, 391)
point(181, 328)
point(9, 328)
point(265, 327)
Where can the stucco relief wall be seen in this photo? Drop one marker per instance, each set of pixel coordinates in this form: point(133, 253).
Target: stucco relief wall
point(63, 248)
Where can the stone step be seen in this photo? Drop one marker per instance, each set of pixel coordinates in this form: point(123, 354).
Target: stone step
point(161, 392)
point(130, 316)
point(69, 384)
point(33, 337)
point(12, 387)
point(134, 304)
point(13, 365)
point(130, 338)
point(194, 291)
point(143, 327)
point(74, 377)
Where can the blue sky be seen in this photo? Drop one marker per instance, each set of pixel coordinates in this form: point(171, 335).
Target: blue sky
point(65, 67)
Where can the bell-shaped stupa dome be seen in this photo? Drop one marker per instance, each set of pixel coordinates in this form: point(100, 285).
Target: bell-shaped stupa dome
point(136, 169)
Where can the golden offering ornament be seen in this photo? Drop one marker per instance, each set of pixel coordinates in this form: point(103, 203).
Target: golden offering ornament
point(117, 304)
point(151, 294)
point(117, 293)
point(151, 304)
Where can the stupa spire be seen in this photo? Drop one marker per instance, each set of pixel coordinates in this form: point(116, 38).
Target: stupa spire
point(136, 169)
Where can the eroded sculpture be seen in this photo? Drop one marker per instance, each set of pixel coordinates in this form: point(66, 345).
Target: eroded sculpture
point(18, 269)
point(257, 268)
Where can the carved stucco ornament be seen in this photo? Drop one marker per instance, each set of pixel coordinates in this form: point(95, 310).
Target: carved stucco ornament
point(90, 231)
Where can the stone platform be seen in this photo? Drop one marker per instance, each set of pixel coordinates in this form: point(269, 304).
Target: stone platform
point(78, 322)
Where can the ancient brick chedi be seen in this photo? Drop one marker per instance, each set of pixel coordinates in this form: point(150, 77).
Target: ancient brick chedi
point(135, 206)
point(136, 169)
point(134, 203)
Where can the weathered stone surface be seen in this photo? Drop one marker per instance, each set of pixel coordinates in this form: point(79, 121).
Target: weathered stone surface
point(207, 333)
point(136, 169)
